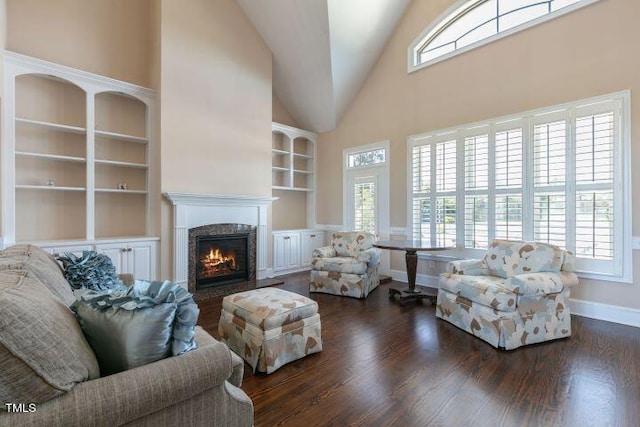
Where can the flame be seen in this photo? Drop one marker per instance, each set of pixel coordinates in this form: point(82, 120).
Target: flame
point(215, 262)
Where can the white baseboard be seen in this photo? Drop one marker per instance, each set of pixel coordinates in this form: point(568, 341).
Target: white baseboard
point(264, 273)
point(590, 309)
point(606, 312)
point(289, 271)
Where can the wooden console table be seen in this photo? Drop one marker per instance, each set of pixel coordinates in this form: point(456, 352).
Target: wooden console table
point(411, 248)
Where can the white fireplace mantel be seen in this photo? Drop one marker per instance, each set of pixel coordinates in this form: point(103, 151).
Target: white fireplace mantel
point(194, 210)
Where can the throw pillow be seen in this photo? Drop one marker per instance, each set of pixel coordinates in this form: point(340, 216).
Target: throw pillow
point(90, 271)
point(148, 322)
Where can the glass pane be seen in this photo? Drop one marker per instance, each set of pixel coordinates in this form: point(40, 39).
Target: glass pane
point(422, 219)
point(465, 23)
point(421, 165)
point(506, 6)
point(476, 222)
point(518, 17)
point(446, 166)
point(549, 153)
point(509, 217)
point(594, 224)
point(480, 33)
point(365, 213)
point(476, 162)
point(367, 158)
point(427, 55)
point(559, 4)
point(549, 218)
point(508, 168)
point(446, 221)
point(594, 149)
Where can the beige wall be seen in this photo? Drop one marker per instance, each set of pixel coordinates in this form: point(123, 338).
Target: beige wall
point(216, 104)
point(106, 37)
point(289, 212)
point(562, 60)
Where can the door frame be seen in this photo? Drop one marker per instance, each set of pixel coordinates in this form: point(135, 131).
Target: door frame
point(381, 173)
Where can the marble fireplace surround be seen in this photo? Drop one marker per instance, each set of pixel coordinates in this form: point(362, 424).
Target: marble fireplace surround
point(195, 210)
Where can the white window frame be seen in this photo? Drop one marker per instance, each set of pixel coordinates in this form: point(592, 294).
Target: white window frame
point(621, 266)
point(413, 62)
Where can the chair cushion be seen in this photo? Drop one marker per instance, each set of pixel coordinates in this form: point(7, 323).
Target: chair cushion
point(350, 244)
point(43, 352)
point(506, 258)
point(340, 265)
point(269, 308)
point(491, 291)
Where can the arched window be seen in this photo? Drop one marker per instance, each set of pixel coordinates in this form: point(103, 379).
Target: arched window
point(472, 23)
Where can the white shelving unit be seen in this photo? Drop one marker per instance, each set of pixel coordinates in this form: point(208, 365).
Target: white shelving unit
point(75, 162)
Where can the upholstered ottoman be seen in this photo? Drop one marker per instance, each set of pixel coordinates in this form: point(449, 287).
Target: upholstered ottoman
point(269, 327)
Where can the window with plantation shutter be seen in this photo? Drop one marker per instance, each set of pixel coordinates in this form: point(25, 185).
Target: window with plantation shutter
point(558, 175)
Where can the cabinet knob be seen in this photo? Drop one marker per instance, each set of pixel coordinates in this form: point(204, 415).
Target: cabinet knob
point(313, 235)
point(287, 237)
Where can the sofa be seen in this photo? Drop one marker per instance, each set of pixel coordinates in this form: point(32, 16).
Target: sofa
point(347, 267)
point(518, 294)
point(49, 375)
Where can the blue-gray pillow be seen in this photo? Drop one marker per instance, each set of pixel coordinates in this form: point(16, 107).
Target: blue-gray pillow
point(148, 322)
point(92, 270)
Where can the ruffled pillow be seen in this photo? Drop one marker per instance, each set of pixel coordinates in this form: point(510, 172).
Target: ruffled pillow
point(148, 322)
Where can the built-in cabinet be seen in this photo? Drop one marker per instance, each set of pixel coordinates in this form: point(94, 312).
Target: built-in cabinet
point(76, 160)
point(293, 249)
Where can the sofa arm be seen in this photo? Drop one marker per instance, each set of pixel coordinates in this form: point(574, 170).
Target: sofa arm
point(127, 396)
point(324, 252)
point(540, 283)
point(371, 256)
point(470, 267)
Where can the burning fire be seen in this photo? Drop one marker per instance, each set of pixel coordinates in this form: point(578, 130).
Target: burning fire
point(215, 262)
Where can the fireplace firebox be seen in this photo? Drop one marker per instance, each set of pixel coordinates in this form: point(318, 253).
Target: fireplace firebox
point(221, 254)
point(221, 259)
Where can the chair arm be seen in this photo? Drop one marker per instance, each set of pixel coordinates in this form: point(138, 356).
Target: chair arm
point(324, 252)
point(127, 396)
point(541, 283)
point(471, 267)
point(127, 279)
point(371, 256)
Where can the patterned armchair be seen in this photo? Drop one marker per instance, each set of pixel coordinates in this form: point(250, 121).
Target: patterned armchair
point(518, 294)
point(348, 267)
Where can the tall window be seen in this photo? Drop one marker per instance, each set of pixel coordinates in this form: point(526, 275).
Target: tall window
point(472, 23)
point(555, 175)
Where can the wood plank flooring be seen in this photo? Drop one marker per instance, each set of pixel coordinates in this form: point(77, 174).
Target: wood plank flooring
point(389, 365)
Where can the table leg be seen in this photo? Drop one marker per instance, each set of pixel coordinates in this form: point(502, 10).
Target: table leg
point(404, 295)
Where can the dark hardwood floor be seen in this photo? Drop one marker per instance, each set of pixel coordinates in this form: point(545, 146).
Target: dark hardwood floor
point(389, 365)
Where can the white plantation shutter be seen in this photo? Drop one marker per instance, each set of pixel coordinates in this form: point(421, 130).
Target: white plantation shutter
point(476, 199)
point(559, 175)
point(549, 177)
point(365, 206)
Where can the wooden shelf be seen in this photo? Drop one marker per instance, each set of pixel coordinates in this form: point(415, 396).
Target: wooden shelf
point(51, 157)
point(52, 126)
point(117, 190)
point(302, 156)
point(49, 188)
point(121, 164)
point(280, 152)
point(121, 136)
point(279, 169)
point(291, 188)
point(303, 172)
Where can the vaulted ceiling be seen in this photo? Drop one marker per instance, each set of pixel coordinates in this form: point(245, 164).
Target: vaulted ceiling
point(322, 50)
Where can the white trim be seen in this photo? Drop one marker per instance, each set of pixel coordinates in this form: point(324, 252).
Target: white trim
point(218, 199)
point(398, 231)
point(329, 227)
point(606, 312)
point(412, 64)
point(421, 279)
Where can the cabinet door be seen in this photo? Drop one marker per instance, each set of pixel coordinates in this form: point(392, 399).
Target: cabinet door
point(141, 260)
point(310, 240)
point(117, 253)
point(286, 251)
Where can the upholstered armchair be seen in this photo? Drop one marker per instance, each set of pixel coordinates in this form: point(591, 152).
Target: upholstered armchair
point(518, 294)
point(348, 267)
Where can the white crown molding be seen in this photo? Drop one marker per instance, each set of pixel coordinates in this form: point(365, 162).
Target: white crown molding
point(218, 199)
point(292, 132)
point(24, 64)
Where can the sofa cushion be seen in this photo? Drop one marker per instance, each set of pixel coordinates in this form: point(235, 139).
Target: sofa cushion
point(43, 352)
point(42, 265)
point(491, 291)
point(351, 243)
point(340, 265)
point(506, 258)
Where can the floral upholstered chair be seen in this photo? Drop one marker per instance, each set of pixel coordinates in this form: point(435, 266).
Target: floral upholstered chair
point(518, 294)
point(348, 267)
